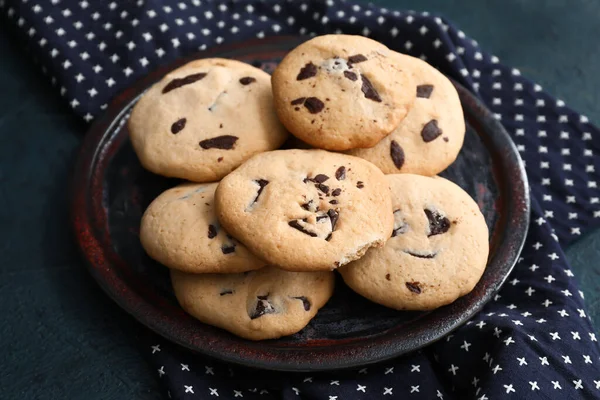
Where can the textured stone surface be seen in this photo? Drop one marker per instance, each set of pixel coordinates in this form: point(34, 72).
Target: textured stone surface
point(60, 337)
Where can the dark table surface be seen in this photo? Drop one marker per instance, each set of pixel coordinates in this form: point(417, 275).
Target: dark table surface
point(61, 338)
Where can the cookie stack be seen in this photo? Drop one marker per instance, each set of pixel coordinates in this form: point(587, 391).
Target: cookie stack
point(253, 239)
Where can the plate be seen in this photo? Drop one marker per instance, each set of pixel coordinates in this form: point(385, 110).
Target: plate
point(110, 191)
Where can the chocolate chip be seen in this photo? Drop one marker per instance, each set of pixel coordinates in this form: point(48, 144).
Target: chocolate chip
point(320, 178)
point(299, 100)
point(322, 217)
point(261, 185)
point(305, 302)
point(263, 306)
point(227, 291)
point(225, 142)
point(296, 225)
point(178, 126)
point(323, 188)
point(333, 201)
point(360, 184)
point(221, 126)
point(297, 108)
point(397, 154)
point(179, 82)
point(333, 216)
point(314, 105)
point(227, 249)
point(387, 276)
point(355, 59)
point(401, 229)
point(446, 139)
point(350, 75)
point(212, 231)
point(424, 91)
point(328, 238)
point(219, 159)
point(308, 71)
point(438, 224)
point(368, 90)
point(307, 206)
point(336, 192)
point(413, 287)
point(430, 131)
point(340, 174)
point(247, 80)
point(420, 255)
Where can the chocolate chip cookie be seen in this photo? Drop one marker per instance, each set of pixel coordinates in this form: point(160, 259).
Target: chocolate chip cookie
point(180, 230)
point(429, 139)
point(339, 92)
point(264, 304)
point(204, 119)
point(306, 210)
point(437, 253)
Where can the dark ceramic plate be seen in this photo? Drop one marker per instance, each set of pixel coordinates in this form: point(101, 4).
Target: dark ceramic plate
point(111, 191)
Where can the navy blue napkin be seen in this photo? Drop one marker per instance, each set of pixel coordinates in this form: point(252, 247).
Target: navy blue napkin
point(534, 340)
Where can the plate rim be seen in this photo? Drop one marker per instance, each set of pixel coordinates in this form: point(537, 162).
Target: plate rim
point(289, 358)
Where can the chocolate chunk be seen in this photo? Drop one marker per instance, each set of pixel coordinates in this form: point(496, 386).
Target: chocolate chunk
point(299, 100)
point(227, 249)
point(333, 201)
point(308, 71)
point(219, 159)
point(263, 306)
point(322, 217)
point(424, 91)
point(296, 225)
point(438, 224)
point(320, 178)
point(227, 291)
point(340, 174)
point(333, 216)
point(397, 154)
point(212, 231)
point(261, 185)
point(360, 184)
point(413, 287)
point(336, 192)
point(178, 126)
point(247, 80)
point(350, 75)
point(225, 142)
point(430, 131)
point(305, 302)
point(328, 238)
point(179, 82)
point(368, 90)
point(307, 206)
point(355, 59)
point(420, 255)
point(314, 105)
point(323, 188)
point(401, 229)
point(387, 276)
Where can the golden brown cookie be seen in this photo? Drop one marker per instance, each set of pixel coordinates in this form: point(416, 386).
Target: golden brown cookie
point(306, 210)
point(204, 119)
point(340, 92)
point(437, 253)
point(429, 139)
point(180, 230)
point(264, 304)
